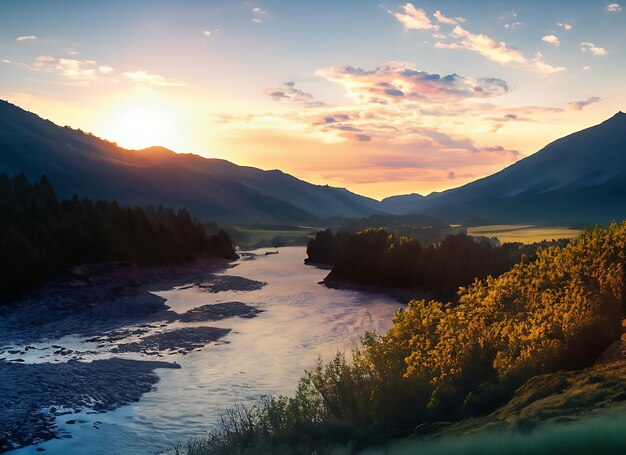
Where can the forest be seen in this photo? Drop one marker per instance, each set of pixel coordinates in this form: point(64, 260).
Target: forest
point(379, 257)
point(443, 362)
point(42, 236)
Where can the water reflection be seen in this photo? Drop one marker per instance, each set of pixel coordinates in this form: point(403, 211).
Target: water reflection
point(264, 355)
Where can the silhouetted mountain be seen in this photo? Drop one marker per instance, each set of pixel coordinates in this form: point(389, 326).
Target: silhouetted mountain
point(401, 204)
point(76, 162)
point(578, 178)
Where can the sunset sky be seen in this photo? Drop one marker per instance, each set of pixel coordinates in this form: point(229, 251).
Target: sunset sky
point(380, 97)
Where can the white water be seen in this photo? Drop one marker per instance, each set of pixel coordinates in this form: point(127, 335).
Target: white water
point(264, 355)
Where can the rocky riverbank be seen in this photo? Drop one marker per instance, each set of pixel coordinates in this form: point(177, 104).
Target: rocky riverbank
point(59, 345)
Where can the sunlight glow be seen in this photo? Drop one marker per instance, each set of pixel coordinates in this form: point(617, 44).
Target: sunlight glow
point(141, 125)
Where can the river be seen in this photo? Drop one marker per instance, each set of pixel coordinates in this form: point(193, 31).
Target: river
point(301, 319)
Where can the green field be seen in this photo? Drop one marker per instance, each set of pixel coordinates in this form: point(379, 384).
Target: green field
point(524, 233)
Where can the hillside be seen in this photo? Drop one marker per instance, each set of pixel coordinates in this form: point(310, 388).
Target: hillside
point(580, 178)
point(76, 162)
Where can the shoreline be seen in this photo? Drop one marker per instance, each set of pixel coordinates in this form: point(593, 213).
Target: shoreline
point(111, 315)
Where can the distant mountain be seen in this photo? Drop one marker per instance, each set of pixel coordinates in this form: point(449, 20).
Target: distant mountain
point(402, 204)
point(80, 163)
point(580, 178)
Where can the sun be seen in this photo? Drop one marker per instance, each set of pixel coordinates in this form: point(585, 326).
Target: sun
point(141, 125)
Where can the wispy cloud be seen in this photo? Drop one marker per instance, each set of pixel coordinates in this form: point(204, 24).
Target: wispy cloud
point(614, 8)
point(564, 25)
point(26, 38)
point(590, 47)
point(447, 20)
point(414, 18)
point(500, 52)
point(401, 82)
point(552, 39)
point(78, 71)
point(257, 15)
point(144, 77)
point(105, 69)
point(580, 105)
point(289, 93)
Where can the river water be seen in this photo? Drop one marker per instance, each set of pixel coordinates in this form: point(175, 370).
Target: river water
point(264, 355)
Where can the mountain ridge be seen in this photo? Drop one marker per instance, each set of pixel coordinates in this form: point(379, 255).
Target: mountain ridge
point(78, 162)
point(576, 178)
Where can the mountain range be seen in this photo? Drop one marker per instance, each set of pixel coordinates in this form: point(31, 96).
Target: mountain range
point(83, 164)
point(580, 178)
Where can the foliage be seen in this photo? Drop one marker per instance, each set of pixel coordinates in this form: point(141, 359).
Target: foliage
point(442, 362)
point(41, 236)
point(375, 256)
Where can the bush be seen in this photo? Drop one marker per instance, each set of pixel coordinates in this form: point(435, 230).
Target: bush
point(448, 361)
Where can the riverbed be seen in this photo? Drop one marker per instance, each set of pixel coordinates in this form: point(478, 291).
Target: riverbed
point(290, 321)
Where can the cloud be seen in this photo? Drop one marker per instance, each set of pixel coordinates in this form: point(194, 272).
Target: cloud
point(144, 77)
point(105, 69)
point(586, 68)
point(495, 51)
point(552, 39)
point(4, 60)
point(257, 15)
point(401, 82)
point(413, 18)
point(26, 38)
point(614, 8)
point(564, 25)
point(77, 70)
point(514, 25)
point(595, 50)
point(207, 33)
point(461, 38)
point(447, 20)
point(289, 93)
point(580, 105)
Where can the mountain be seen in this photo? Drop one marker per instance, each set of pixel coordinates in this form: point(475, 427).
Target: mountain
point(402, 204)
point(580, 178)
point(80, 163)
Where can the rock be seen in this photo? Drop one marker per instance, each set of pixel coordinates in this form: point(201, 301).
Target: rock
point(101, 384)
point(218, 311)
point(182, 340)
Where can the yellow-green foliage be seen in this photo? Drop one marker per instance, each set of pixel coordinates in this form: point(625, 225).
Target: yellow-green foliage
point(445, 361)
point(558, 311)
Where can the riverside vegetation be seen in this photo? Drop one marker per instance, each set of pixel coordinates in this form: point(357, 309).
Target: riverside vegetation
point(380, 257)
point(41, 236)
point(446, 362)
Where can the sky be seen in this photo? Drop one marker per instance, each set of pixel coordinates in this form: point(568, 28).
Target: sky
point(379, 97)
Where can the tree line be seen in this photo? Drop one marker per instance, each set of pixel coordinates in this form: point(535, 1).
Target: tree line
point(378, 257)
point(41, 236)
